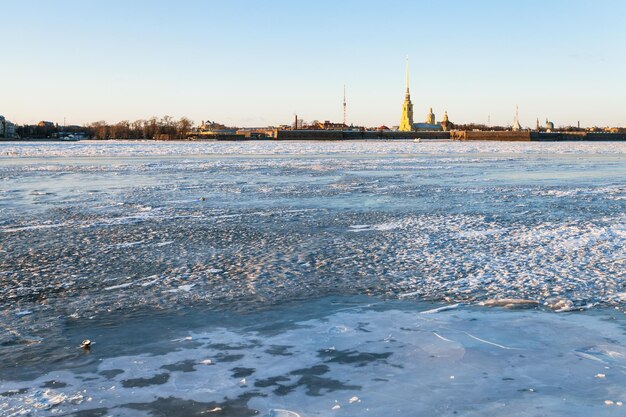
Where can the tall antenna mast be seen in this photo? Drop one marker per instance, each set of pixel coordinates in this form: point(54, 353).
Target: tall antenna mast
point(344, 105)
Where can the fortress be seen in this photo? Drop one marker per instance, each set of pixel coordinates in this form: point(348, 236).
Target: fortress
point(406, 120)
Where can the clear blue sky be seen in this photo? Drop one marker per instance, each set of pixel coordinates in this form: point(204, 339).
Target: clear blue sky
point(255, 62)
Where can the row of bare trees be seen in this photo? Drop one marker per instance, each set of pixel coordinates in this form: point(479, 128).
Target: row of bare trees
point(154, 128)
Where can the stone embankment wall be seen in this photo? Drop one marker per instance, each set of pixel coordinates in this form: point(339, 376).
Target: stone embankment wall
point(499, 136)
point(604, 137)
point(218, 137)
point(536, 136)
point(505, 136)
point(356, 135)
point(582, 136)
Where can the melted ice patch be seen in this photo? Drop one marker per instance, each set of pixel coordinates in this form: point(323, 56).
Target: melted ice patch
point(356, 360)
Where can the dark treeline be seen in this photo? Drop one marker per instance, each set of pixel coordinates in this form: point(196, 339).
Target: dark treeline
point(165, 128)
point(154, 128)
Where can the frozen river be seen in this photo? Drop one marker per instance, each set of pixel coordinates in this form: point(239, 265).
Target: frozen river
point(325, 278)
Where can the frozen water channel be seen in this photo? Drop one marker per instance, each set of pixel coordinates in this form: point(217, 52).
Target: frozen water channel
point(350, 278)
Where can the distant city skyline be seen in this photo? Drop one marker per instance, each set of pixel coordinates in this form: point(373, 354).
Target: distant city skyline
point(249, 63)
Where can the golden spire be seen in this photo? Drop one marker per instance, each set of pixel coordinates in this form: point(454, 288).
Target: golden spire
point(407, 75)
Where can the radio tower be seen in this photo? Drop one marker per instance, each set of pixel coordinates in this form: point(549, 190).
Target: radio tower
point(344, 105)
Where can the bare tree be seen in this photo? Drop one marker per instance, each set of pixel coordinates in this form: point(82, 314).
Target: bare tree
point(151, 128)
point(184, 127)
point(100, 129)
point(136, 128)
point(120, 130)
point(167, 125)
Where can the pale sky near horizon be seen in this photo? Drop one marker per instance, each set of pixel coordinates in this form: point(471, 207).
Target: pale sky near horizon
point(257, 63)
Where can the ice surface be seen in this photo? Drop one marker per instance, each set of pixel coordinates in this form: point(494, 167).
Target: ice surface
point(393, 147)
point(98, 232)
point(386, 359)
point(110, 232)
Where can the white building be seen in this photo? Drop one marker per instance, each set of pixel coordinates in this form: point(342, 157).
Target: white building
point(7, 129)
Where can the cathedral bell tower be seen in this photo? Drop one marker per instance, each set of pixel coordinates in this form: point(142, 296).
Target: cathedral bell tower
point(430, 118)
point(406, 122)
